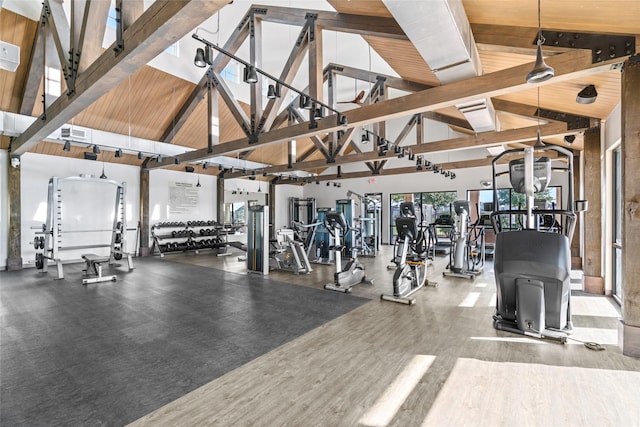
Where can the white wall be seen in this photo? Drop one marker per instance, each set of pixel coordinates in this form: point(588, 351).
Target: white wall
point(4, 208)
point(159, 182)
point(88, 207)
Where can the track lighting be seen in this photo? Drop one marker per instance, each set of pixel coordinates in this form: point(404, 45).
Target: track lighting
point(365, 137)
point(274, 91)
point(139, 155)
point(220, 168)
point(319, 112)
point(305, 102)
point(342, 120)
point(264, 172)
point(189, 169)
point(587, 95)
point(199, 59)
point(176, 160)
point(250, 74)
point(205, 165)
point(119, 153)
point(96, 149)
point(67, 146)
point(159, 159)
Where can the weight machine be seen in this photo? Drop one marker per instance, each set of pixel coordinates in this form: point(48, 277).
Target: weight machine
point(367, 237)
point(302, 210)
point(347, 208)
point(466, 259)
point(49, 239)
point(532, 265)
point(413, 250)
point(320, 253)
point(257, 240)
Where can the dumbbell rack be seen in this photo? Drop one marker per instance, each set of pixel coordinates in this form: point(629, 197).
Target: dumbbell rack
point(172, 237)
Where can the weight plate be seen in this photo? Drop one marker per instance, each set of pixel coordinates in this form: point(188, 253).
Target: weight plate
point(39, 261)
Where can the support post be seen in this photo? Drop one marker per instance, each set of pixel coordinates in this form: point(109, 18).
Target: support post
point(630, 323)
point(145, 250)
point(593, 277)
point(272, 208)
point(14, 247)
point(220, 198)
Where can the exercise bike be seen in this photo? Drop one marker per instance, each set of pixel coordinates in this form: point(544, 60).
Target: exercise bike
point(411, 272)
point(353, 272)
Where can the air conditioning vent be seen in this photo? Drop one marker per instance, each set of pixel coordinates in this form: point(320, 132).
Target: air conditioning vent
point(73, 133)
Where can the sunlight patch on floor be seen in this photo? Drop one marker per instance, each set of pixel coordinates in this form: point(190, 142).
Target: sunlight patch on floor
point(388, 404)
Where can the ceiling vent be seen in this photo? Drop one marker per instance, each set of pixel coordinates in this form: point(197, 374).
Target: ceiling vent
point(9, 56)
point(73, 133)
point(440, 32)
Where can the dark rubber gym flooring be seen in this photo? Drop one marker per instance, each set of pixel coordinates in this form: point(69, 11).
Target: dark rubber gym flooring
point(111, 352)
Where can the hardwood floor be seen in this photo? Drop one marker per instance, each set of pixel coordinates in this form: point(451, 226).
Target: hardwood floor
point(439, 362)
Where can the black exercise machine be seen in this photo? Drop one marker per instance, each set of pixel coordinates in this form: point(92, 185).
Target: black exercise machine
point(532, 265)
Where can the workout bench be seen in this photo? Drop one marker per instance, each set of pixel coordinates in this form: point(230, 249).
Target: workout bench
point(94, 268)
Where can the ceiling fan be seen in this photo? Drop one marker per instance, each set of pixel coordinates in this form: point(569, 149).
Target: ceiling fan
point(357, 100)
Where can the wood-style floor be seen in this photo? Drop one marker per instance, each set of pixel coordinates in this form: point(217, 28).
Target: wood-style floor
point(439, 362)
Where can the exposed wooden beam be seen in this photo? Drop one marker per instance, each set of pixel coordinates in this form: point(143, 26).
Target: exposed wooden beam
point(234, 42)
point(567, 66)
point(342, 22)
point(317, 142)
point(452, 121)
point(95, 19)
point(161, 25)
point(289, 71)
point(61, 34)
point(232, 103)
point(90, 22)
point(372, 77)
point(526, 135)
point(460, 164)
point(131, 10)
point(34, 73)
point(255, 89)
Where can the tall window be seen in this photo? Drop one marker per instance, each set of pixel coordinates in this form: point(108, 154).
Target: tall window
point(617, 224)
point(428, 206)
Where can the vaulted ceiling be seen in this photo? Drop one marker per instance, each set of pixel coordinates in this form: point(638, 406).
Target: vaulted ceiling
point(146, 102)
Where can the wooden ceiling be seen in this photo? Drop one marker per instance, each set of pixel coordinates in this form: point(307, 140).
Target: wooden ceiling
point(145, 104)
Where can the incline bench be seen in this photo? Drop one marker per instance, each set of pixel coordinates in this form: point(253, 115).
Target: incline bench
point(94, 268)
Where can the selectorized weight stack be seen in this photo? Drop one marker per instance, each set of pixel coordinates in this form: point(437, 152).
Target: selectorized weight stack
point(258, 240)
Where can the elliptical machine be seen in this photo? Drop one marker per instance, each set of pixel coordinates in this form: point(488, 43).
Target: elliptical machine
point(413, 247)
point(532, 265)
point(353, 272)
point(466, 259)
point(288, 254)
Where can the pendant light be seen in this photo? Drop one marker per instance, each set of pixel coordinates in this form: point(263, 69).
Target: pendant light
point(103, 176)
point(541, 72)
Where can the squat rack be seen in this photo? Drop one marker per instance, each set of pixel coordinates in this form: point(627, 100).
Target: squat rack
point(49, 239)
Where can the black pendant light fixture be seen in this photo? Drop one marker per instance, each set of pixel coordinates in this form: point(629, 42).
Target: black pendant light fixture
point(541, 72)
point(103, 176)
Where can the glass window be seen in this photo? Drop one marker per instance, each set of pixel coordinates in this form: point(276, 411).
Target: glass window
point(231, 73)
point(53, 81)
point(428, 206)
